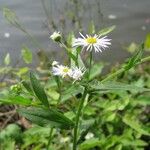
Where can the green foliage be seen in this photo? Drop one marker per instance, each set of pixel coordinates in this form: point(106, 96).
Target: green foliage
point(47, 118)
point(91, 29)
point(26, 55)
point(7, 59)
point(18, 100)
point(12, 18)
point(111, 85)
point(130, 120)
point(12, 131)
point(96, 70)
point(106, 30)
point(38, 90)
point(135, 58)
point(132, 47)
point(147, 42)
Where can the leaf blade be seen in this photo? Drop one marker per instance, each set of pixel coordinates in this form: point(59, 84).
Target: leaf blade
point(38, 90)
point(47, 118)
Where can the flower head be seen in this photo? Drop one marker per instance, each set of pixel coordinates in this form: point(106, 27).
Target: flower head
point(56, 36)
point(95, 42)
point(77, 73)
point(60, 70)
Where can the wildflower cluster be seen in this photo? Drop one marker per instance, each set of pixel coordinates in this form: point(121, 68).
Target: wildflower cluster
point(88, 42)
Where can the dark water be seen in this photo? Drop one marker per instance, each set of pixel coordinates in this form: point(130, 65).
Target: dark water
point(131, 17)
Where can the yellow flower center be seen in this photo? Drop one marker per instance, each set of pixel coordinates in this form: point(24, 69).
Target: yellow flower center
point(65, 70)
point(91, 40)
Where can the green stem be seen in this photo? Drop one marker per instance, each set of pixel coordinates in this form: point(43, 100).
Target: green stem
point(59, 88)
point(50, 138)
point(77, 64)
point(57, 79)
point(91, 57)
point(78, 118)
point(123, 70)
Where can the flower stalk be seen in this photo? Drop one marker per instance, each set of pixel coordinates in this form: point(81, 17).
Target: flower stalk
point(91, 57)
point(79, 112)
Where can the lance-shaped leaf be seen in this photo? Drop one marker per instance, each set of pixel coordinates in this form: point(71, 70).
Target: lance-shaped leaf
point(7, 59)
point(111, 85)
point(38, 90)
point(136, 58)
point(27, 86)
point(106, 30)
point(18, 100)
point(26, 55)
point(46, 117)
point(12, 18)
point(135, 124)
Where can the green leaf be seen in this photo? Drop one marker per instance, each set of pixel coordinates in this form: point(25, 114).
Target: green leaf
point(47, 118)
point(134, 124)
point(109, 116)
point(11, 131)
point(142, 100)
point(70, 37)
point(11, 17)
point(26, 55)
point(136, 142)
point(38, 90)
point(111, 85)
point(91, 28)
point(18, 100)
point(147, 42)
point(27, 86)
point(96, 70)
point(21, 71)
point(118, 147)
point(37, 130)
point(132, 47)
point(78, 59)
point(71, 91)
point(7, 59)
point(106, 30)
point(9, 144)
point(135, 58)
point(89, 144)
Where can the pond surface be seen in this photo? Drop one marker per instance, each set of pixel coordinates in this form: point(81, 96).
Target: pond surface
point(131, 17)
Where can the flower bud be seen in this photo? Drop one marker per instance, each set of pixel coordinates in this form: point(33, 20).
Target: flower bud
point(16, 88)
point(56, 36)
point(55, 63)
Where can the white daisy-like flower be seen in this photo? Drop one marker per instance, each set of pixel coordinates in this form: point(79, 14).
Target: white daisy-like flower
point(77, 73)
point(60, 70)
point(95, 42)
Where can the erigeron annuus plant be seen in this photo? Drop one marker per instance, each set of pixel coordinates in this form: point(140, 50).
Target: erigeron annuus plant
point(89, 43)
point(78, 74)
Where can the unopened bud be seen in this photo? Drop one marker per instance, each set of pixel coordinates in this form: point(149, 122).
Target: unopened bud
point(55, 63)
point(56, 36)
point(16, 88)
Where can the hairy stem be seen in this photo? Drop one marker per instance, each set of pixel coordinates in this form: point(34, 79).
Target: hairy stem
point(123, 70)
point(50, 138)
point(77, 119)
point(91, 57)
